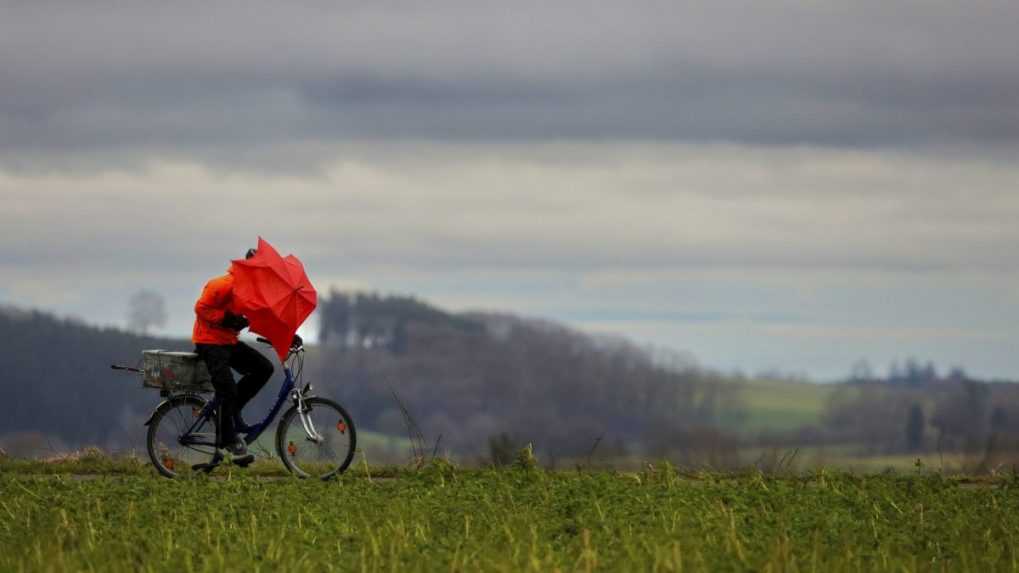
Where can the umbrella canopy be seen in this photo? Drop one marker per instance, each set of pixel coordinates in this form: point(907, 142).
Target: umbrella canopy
point(274, 293)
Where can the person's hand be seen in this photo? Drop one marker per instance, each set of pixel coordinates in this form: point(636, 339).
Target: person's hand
point(297, 342)
point(234, 321)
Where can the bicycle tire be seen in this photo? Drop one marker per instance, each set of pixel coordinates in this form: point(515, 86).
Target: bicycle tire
point(290, 447)
point(160, 442)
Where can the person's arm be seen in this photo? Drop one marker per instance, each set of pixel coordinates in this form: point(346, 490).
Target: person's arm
point(211, 306)
point(234, 321)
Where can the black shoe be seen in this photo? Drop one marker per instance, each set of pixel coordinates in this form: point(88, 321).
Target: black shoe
point(210, 465)
point(240, 455)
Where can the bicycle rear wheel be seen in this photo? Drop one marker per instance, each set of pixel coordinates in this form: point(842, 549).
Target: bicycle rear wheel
point(322, 445)
point(172, 420)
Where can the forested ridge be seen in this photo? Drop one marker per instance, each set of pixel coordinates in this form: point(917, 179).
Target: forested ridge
point(481, 379)
point(480, 385)
point(57, 381)
point(473, 379)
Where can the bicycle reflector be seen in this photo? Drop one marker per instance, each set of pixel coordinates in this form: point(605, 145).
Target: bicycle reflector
point(292, 449)
point(341, 426)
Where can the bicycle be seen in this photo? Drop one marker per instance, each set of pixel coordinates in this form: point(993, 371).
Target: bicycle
point(315, 437)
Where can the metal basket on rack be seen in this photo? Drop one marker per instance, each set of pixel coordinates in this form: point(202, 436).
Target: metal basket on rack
point(175, 371)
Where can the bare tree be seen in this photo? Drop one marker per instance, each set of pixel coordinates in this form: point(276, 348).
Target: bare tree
point(145, 309)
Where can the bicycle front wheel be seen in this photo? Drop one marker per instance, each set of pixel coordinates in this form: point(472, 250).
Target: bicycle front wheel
point(317, 443)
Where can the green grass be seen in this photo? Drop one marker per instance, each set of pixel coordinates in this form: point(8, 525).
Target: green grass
point(443, 519)
point(855, 458)
point(92, 462)
point(84, 466)
point(377, 447)
point(781, 405)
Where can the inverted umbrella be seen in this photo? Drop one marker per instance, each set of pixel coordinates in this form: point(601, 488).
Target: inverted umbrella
point(274, 293)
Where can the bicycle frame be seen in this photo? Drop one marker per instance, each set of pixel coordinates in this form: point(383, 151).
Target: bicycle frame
point(251, 433)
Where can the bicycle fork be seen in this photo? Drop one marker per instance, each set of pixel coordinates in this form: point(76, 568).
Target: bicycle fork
point(302, 413)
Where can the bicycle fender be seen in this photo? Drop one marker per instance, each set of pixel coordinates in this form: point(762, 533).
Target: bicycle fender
point(160, 406)
point(154, 411)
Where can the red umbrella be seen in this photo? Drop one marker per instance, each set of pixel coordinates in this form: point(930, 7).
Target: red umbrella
point(274, 293)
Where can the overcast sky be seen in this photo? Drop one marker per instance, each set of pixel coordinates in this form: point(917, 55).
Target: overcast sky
point(786, 184)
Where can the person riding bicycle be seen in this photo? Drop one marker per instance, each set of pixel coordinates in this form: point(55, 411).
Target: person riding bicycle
point(215, 338)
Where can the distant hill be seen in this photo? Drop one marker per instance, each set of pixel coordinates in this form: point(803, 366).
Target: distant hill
point(476, 379)
point(57, 383)
point(480, 385)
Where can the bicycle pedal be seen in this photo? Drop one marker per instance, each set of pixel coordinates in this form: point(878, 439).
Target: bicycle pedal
point(239, 460)
point(210, 465)
point(207, 467)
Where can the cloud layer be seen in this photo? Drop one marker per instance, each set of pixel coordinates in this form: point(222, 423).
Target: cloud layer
point(248, 81)
point(749, 257)
point(789, 184)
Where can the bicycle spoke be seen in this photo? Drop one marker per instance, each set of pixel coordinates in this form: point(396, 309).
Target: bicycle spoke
point(168, 453)
point(319, 443)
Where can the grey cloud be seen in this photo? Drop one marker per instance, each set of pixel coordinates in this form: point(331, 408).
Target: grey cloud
point(577, 208)
point(211, 81)
point(373, 91)
point(776, 256)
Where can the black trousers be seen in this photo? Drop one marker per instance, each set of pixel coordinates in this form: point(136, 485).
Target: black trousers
point(255, 371)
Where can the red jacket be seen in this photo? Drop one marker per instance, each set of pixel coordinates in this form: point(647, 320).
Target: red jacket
point(216, 299)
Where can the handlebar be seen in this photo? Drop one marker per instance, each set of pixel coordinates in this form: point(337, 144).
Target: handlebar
point(293, 349)
point(128, 368)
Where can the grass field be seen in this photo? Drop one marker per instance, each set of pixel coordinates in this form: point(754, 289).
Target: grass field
point(443, 518)
point(780, 406)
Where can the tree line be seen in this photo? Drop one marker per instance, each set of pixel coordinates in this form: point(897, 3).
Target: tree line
point(483, 379)
point(481, 385)
point(941, 414)
point(57, 388)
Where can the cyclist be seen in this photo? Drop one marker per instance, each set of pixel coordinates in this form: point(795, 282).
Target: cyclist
point(215, 338)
